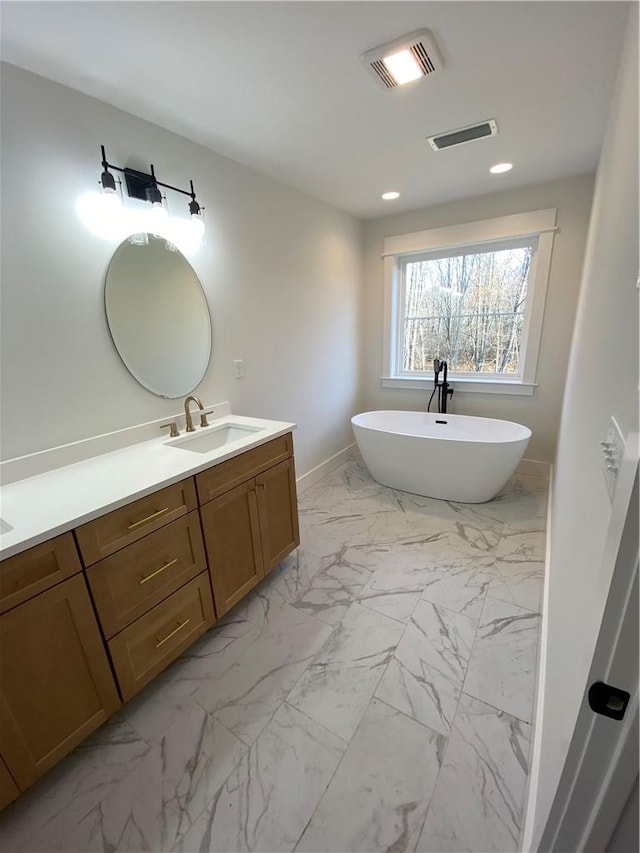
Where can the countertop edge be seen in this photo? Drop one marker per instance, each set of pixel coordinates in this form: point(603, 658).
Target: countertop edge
point(102, 508)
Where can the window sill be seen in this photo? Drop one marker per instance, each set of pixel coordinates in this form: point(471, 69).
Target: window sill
point(463, 386)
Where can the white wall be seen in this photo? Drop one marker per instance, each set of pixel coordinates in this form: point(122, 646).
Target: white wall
point(602, 380)
point(281, 272)
point(541, 412)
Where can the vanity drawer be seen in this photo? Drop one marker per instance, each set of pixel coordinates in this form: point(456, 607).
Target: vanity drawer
point(225, 476)
point(128, 584)
point(97, 539)
point(152, 642)
point(30, 573)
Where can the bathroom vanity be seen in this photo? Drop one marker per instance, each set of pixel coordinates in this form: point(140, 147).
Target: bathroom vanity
point(92, 613)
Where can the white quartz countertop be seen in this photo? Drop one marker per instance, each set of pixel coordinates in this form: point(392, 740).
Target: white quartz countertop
point(39, 507)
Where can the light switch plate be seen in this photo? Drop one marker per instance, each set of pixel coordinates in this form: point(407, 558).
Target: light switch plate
point(612, 453)
point(238, 368)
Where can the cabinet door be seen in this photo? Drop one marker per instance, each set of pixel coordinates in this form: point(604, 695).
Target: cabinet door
point(8, 788)
point(278, 512)
point(232, 539)
point(56, 685)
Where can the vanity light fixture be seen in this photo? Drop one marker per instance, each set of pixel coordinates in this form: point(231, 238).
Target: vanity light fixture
point(146, 187)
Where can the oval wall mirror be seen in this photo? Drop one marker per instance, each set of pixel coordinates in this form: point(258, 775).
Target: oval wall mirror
point(158, 315)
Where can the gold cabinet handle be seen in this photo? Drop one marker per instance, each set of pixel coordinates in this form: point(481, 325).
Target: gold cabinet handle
point(173, 633)
point(157, 571)
point(135, 524)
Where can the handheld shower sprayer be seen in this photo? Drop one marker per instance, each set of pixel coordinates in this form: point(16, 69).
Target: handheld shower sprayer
point(441, 387)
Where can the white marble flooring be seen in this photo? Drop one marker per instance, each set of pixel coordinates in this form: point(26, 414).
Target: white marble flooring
point(375, 693)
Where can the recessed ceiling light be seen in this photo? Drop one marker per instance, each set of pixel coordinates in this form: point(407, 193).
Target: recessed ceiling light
point(402, 66)
point(499, 168)
point(390, 196)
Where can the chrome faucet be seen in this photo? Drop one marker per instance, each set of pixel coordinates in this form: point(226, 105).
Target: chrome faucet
point(187, 414)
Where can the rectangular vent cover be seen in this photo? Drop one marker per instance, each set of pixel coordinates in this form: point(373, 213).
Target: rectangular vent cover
point(463, 134)
point(420, 45)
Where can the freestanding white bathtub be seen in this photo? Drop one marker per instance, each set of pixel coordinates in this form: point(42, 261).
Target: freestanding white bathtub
point(452, 457)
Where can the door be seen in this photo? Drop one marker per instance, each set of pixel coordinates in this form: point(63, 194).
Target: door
point(69, 690)
point(278, 510)
point(232, 539)
point(602, 763)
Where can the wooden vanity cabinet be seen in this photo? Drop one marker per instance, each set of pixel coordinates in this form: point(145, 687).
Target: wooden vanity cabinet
point(232, 537)
point(251, 527)
point(9, 791)
point(150, 572)
point(277, 513)
point(56, 685)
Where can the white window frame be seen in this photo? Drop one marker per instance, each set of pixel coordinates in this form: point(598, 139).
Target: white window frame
point(540, 225)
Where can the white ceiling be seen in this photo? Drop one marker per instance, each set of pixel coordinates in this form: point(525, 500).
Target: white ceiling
point(279, 86)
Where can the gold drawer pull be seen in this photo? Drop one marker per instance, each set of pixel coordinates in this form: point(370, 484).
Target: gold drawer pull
point(135, 524)
point(173, 633)
point(157, 571)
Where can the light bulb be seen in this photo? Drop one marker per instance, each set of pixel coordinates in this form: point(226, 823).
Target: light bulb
point(196, 226)
point(403, 67)
point(157, 219)
point(102, 214)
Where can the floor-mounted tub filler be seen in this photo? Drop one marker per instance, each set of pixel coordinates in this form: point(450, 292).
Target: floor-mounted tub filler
point(451, 457)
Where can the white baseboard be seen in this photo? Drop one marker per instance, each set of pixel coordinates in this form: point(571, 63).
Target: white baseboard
point(534, 467)
point(527, 839)
point(316, 474)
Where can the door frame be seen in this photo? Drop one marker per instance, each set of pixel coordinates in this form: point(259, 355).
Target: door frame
point(580, 818)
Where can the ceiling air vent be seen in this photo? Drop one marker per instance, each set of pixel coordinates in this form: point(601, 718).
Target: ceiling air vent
point(407, 58)
point(463, 134)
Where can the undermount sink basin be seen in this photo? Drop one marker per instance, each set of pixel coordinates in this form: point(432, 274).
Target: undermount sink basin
point(213, 438)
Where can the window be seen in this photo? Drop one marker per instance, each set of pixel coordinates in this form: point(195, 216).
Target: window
point(472, 294)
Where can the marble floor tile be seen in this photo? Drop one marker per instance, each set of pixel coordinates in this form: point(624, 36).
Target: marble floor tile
point(425, 675)
point(405, 566)
point(153, 711)
point(396, 605)
point(475, 534)
point(459, 581)
point(336, 585)
point(526, 499)
point(502, 666)
point(267, 801)
point(355, 520)
point(156, 805)
point(348, 659)
point(42, 818)
point(283, 585)
point(336, 688)
point(521, 584)
point(247, 694)
point(379, 795)
point(479, 797)
point(519, 568)
point(522, 541)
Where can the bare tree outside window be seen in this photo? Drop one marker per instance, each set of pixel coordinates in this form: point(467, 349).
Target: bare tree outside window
point(467, 309)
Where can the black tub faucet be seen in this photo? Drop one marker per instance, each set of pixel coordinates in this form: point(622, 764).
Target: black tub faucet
point(443, 389)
